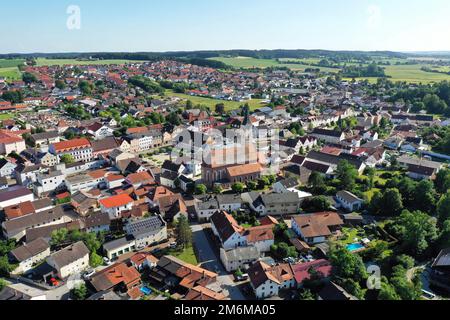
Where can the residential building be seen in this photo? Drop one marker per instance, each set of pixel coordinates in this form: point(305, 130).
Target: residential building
point(349, 201)
point(29, 254)
point(239, 258)
point(316, 227)
point(114, 205)
point(70, 260)
point(79, 149)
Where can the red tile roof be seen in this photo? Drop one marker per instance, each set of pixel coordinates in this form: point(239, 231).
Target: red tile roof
point(116, 201)
point(71, 145)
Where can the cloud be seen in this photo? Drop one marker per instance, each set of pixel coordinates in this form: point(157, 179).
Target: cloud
point(373, 16)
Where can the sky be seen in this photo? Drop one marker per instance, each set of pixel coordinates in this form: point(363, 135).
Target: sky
point(50, 26)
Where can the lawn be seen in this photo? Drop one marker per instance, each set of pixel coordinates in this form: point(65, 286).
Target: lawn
point(61, 62)
point(211, 103)
point(6, 116)
point(186, 255)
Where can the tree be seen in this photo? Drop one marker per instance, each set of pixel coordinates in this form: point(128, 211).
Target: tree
point(5, 266)
point(80, 292)
point(347, 175)
point(200, 189)
point(217, 189)
point(238, 187)
point(220, 108)
point(95, 260)
point(252, 185)
point(2, 284)
point(67, 158)
point(29, 78)
point(442, 181)
point(316, 204)
point(387, 291)
point(306, 294)
point(443, 208)
point(444, 237)
point(370, 172)
point(183, 232)
point(388, 203)
point(347, 265)
point(405, 289)
point(317, 182)
point(416, 231)
point(424, 196)
point(85, 87)
point(59, 236)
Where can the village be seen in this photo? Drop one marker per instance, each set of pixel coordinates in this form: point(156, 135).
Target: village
point(115, 186)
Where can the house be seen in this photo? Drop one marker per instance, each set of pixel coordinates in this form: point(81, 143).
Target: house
point(267, 281)
point(333, 292)
point(99, 131)
point(440, 270)
point(79, 149)
point(143, 260)
point(116, 248)
point(186, 183)
point(229, 202)
point(45, 138)
point(15, 195)
point(171, 207)
point(70, 260)
point(333, 161)
point(84, 203)
point(26, 208)
point(285, 185)
point(315, 228)
point(301, 271)
point(168, 179)
point(114, 205)
point(104, 146)
point(7, 168)
point(114, 181)
point(227, 229)
point(49, 182)
point(139, 179)
point(330, 136)
point(10, 142)
point(262, 237)
point(349, 201)
point(97, 222)
point(273, 203)
point(120, 277)
point(419, 172)
point(29, 254)
point(239, 258)
point(205, 207)
point(81, 182)
point(147, 231)
point(20, 291)
point(200, 293)
point(406, 161)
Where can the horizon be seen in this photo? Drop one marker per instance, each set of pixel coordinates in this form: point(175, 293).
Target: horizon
point(173, 26)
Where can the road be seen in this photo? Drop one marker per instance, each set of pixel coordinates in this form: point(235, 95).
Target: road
point(210, 261)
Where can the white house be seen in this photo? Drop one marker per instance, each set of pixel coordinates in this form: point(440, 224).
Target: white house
point(114, 205)
point(226, 228)
point(239, 258)
point(349, 201)
point(29, 254)
point(70, 260)
point(267, 281)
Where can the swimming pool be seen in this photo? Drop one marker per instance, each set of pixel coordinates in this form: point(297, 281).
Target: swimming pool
point(354, 247)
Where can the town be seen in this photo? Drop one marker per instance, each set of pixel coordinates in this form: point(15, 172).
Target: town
point(120, 182)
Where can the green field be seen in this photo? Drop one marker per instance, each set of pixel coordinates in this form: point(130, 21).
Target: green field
point(248, 63)
point(211, 103)
point(11, 73)
point(9, 63)
point(6, 116)
point(62, 62)
point(410, 74)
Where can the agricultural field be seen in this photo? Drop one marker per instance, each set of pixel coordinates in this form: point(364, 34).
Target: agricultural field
point(10, 63)
point(248, 63)
point(211, 103)
point(61, 62)
point(10, 73)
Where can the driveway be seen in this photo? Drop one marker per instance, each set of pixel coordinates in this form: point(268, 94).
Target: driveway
point(210, 261)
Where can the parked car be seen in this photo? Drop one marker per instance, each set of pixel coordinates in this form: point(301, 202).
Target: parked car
point(173, 245)
point(107, 261)
point(88, 274)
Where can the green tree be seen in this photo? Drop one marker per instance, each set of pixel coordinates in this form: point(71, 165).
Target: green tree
point(252, 185)
point(443, 208)
point(238, 187)
point(59, 236)
point(29, 78)
point(347, 265)
point(95, 260)
point(425, 196)
point(442, 181)
point(306, 294)
point(217, 189)
point(183, 232)
point(387, 291)
point(347, 175)
point(200, 189)
point(317, 182)
point(67, 158)
point(80, 292)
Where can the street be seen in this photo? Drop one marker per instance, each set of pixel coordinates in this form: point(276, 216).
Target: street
point(210, 261)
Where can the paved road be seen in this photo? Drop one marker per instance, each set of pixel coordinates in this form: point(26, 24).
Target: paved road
point(210, 261)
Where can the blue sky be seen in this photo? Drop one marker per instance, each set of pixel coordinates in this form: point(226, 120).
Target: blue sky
point(174, 25)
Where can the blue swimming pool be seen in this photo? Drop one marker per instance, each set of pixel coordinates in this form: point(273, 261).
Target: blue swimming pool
point(146, 291)
point(355, 247)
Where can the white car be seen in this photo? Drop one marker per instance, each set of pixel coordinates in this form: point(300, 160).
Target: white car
point(107, 261)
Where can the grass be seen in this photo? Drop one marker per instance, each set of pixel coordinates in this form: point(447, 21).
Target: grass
point(248, 63)
point(10, 63)
point(61, 62)
point(350, 235)
point(186, 255)
point(211, 103)
point(410, 74)
point(10, 73)
point(6, 116)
